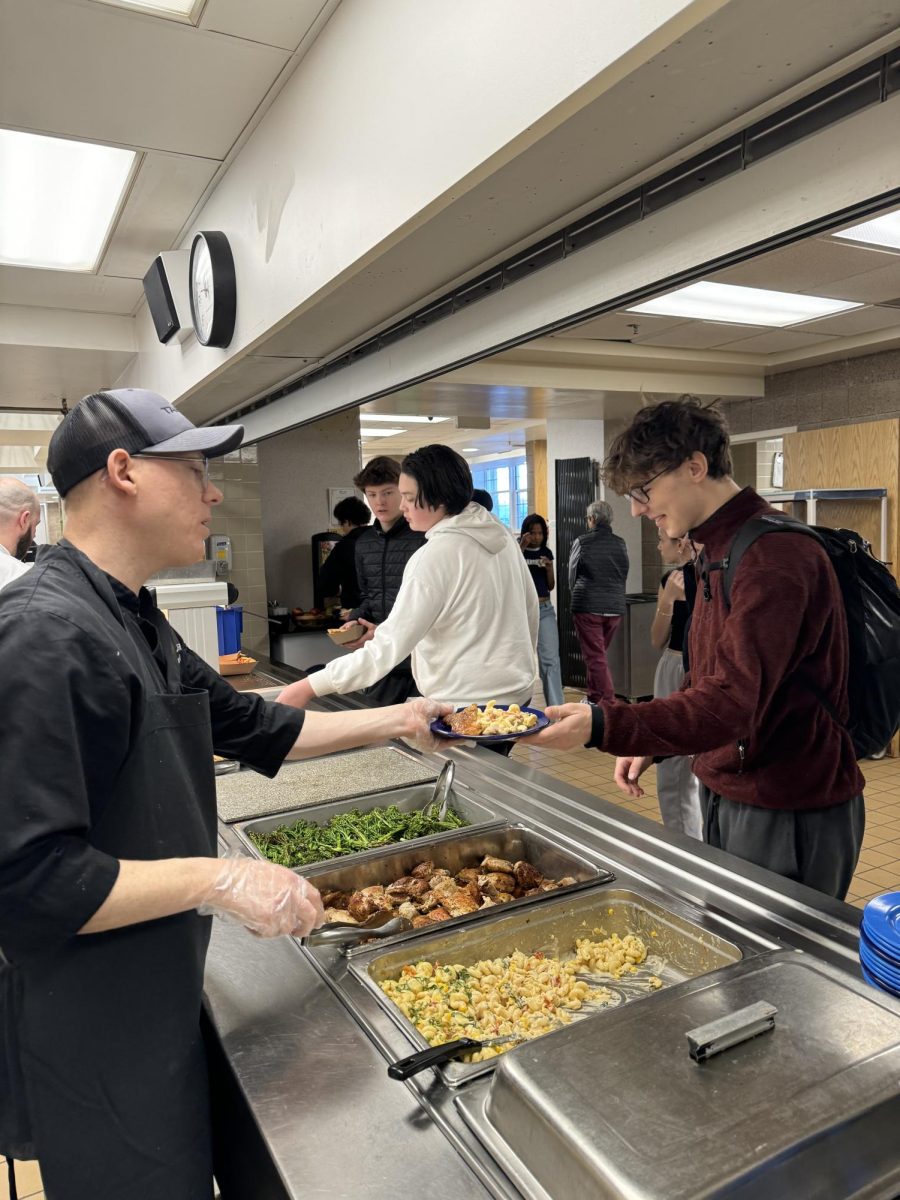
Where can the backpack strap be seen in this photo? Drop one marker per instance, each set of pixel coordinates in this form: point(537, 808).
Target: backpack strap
point(755, 528)
point(748, 534)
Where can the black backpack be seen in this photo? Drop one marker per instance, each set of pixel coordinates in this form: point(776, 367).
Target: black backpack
point(872, 608)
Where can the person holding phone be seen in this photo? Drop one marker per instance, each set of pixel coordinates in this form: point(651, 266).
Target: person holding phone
point(539, 557)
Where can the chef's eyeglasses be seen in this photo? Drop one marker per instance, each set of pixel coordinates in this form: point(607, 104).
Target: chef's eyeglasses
point(639, 494)
point(200, 466)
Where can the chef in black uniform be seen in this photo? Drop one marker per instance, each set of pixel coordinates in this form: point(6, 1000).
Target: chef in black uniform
point(108, 867)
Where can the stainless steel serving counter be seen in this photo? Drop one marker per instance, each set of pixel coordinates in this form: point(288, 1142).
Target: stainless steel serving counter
point(302, 1045)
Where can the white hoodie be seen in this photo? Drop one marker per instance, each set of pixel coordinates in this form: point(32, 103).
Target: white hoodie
point(467, 611)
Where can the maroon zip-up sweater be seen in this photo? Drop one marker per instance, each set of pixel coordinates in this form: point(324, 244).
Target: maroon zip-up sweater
point(759, 734)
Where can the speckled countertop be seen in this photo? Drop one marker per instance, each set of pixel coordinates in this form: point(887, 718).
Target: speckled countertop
point(245, 794)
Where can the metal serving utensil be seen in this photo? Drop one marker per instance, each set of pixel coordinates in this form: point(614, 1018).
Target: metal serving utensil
point(434, 1056)
point(442, 788)
point(341, 933)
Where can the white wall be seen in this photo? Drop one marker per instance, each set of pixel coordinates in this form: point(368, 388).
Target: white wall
point(295, 471)
point(396, 103)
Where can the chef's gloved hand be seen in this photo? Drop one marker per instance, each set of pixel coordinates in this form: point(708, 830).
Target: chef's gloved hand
point(421, 713)
point(267, 899)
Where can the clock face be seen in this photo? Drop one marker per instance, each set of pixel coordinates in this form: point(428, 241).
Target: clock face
point(202, 293)
point(213, 290)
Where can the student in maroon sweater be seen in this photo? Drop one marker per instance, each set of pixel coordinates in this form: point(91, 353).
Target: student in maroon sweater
point(780, 782)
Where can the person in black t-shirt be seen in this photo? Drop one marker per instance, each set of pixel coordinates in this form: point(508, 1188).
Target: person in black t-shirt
point(539, 557)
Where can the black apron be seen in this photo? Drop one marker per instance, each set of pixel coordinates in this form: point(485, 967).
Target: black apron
point(106, 1029)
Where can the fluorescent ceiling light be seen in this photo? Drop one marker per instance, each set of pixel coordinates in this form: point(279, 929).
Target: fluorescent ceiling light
point(394, 417)
point(742, 305)
point(59, 201)
point(180, 10)
point(373, 433)
point(882, 231)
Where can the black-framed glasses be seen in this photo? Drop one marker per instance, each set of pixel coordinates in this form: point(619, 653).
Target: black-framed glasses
point(203, 463)
point(639, 493)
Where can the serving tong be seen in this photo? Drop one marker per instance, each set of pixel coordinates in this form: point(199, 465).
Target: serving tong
point(442, 789)
point(343, 934)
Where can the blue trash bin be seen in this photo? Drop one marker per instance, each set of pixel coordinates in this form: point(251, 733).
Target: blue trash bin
point(230, 625)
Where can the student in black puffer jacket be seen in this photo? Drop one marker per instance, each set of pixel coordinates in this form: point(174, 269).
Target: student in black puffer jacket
point(382, 552)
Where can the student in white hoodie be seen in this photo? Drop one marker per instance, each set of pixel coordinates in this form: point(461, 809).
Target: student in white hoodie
point(466, 611)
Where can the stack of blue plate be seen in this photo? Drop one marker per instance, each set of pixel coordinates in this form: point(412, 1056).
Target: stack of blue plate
point(879, 942)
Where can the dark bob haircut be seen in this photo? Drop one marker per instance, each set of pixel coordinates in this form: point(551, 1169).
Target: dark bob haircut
point(443, 477)
point(664, 436)
point(353, 511)
point(377, 472)
point(536, 519)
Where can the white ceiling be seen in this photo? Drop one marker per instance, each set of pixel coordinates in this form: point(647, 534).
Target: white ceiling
point(820, 266)
point(185, 97)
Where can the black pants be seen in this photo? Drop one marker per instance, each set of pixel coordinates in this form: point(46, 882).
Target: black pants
point(819, 847)
point(396, 687)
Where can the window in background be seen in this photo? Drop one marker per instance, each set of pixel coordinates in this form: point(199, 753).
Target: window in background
point(507, 482)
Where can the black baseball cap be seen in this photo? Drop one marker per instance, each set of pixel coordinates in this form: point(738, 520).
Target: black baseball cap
point(129, 419)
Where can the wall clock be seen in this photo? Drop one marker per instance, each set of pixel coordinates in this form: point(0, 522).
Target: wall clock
point(213, 288)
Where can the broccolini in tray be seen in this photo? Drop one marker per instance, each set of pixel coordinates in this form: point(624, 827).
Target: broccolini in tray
point(305, 842)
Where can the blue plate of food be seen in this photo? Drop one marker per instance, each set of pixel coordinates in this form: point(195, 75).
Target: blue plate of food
point(490, 723)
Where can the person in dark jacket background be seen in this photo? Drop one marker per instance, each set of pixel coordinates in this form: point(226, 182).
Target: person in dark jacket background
point(598, 568)
point(382, 551)
point(338, 574)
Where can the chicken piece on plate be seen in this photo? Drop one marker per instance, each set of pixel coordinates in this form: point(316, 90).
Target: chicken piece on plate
point(368, 901)
point(424, 870)
point(339, 916)
point(489, 863)
point(526, 875)
point(467, 721)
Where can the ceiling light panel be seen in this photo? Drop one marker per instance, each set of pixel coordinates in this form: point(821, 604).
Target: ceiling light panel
point(396, 418)
point(883, 232)
point(374, 433)
point(742, 305)
point(59, 200)
point(174, 10)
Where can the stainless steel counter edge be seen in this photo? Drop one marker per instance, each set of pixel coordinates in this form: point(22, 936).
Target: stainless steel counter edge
point(313, 1077)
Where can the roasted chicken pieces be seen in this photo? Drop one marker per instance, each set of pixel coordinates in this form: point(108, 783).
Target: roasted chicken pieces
point(430, 894)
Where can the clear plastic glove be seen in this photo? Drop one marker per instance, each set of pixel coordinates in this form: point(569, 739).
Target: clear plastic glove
point(267, 899)
point(421, 713)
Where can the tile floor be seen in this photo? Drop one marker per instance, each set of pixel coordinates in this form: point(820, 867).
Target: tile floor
point(878, 871)
point(879, 863)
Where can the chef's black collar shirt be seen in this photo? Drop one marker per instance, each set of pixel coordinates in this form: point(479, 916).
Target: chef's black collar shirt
point(72, 706)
